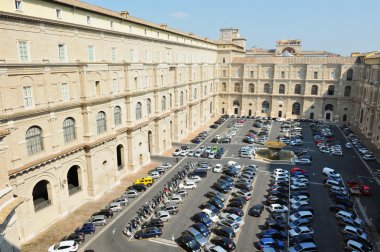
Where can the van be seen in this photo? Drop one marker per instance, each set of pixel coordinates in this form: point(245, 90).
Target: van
point(147, 181)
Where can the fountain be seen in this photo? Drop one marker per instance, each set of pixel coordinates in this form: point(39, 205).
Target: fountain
point(274, 152)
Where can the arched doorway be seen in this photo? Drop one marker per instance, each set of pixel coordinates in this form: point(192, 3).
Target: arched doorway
point(150, 135)
point(344, 118)
point(73, 180)
point(280, 113)
point(120, 156)
point(329, 108)
point(312, 115)
point(42, 195)
point(250, 112)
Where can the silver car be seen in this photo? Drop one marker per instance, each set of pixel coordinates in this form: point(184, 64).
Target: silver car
point(98, 220)
point(197, 236)
point(163, 215)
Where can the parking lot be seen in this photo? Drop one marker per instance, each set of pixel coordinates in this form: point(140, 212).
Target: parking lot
point(327, 232)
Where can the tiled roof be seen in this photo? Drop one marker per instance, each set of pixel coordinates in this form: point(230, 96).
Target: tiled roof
point(295, 60)
point(115, 14)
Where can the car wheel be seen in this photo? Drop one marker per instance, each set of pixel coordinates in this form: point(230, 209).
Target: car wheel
point(92, 232)
point(156, 236)
point(140, 238)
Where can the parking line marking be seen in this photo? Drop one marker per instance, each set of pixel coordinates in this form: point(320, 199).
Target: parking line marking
point(164, 242)
point(316, 183)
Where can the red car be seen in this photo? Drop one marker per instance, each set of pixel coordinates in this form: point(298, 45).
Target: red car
point(364, 189)
point(296, 169)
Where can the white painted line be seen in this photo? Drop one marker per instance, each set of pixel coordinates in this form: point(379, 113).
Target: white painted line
point(164, 242)
point(362, 210)
point(316, 183)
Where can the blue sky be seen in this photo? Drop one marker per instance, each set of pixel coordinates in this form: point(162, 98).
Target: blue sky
point(340, 26)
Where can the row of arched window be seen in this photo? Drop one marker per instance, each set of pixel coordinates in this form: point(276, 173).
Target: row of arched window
point(281, 89)
point(34, 140)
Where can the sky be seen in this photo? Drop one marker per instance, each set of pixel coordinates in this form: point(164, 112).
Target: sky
point(338, 26)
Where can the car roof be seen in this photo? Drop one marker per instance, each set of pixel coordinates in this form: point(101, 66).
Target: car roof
point(67, 243)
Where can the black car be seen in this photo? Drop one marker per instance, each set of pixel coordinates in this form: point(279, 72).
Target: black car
point(201, 228)
point(280, 189)
point(203, 218)
point(256, 210)
point(337, 208)
point(279, 183)
point(148, 232)
point(210, 194)
point(237, 204)
point(220, 187)
point(279, 225)
point(217, 202)
point(231, 172)
point(301, 238)
point(188, 243)
point(224, 231)
point(214, 126)
point(214, 140)
point(224, 140)
point(278, 194)
point(153, 223)
point(224, 242)
point(209, 206)
point(106, 212)
point(244, 186)
point(276, 200)
point(138, 187)
point(238, 198)
point(345, 201)
point(227, 183)
point(233, 210)
point(199, 172)
point(228, 178)
point(78, 237)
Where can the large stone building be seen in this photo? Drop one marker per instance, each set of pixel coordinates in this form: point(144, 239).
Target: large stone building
point(87, 95)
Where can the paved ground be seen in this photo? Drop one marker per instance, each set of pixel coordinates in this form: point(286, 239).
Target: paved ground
point(327, 232)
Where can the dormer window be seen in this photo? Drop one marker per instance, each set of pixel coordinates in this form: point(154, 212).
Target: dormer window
point(18, 4)
point(88, 19)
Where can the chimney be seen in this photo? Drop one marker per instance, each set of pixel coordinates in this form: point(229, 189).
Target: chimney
point(124, 14)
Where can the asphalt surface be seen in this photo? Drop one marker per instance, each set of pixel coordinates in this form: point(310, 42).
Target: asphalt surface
point(327, 232)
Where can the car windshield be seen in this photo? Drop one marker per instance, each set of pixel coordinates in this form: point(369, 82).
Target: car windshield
point(198, 236)
point(297, 229)
point(192, 243)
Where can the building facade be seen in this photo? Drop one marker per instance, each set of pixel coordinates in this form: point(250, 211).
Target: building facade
point(87, 95)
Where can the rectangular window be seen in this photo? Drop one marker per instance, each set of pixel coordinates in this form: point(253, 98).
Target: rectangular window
point(114, 54)
point(23, 50)
point(27, 95)
point(282, 74)
point(132, 55)
point(62, 52)
point(251, 74)
point(267, 73)
point(146, 55)
point(224, 73)
point(58, 12)
point(115, 86)
point(90, 51)
point(332, 75)
point(299, 74)
point(111, 24)
point(315, 75)
point(88, 19)
point(65, 92)
point(18, 4)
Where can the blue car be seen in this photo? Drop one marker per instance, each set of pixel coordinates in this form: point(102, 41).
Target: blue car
point(201, 228)
point(221, 150)
point(273, 233)
point(148, 232)
point(269, 243)
point(300, 173)
point(202, 218)
point(87, 228)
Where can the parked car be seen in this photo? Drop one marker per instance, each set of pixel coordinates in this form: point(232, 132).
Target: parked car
point(148, 232)
point(269, 243)
point(224, 231)
point(188, 243)
point(202, 228)
point(300, 239)
point(163, 215)
point(224, 242)
point(64, 246)
point(300, 230)
point(256, 210)
point(277, 208)
point(304, 246)
point(98, 220)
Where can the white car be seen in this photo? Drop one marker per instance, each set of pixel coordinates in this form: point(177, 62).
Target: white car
point(213, 217)
point(64, 246)
point(281, 176)
point(131, 194)
point(176, 199)
point(298, 186)
point(166, 165)
point(114, 207)
point(184, 153)
point(233, 217)
point(277, 208)
point(231, 224)
point(197, 153)
point(300, 231)
point(328, 172)
point(163, 215)
point(337, 153)
point(191, 153)
point(194, 178)
point(348, 145)
point(369, 157)
point(155, 175)
point(177, 152)
point(299, 204)
point(299, 198)
point(208, 149)
point(218, 168)
point(187, 185)
point(211, 155)
point(302, 161)
point(300, 180)
point(218, 137)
